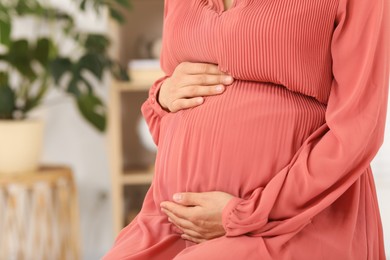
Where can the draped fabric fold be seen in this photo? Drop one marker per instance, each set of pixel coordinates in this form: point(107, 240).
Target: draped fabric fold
point(340, 151)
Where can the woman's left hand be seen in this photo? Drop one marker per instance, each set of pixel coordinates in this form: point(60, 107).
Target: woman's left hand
point(197, 215)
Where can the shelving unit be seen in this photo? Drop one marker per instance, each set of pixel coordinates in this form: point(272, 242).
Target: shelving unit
point(124, 176)
point(131, 165)
point(138, 177)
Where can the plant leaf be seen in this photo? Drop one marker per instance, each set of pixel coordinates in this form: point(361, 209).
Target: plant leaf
point(83, 4)
point(7, 102)
point(94, 63)
point(87, 84)
point(73, 86)
point(119, 72)
point(92, 109)
point(24, 7)
point(96, 43)
point(124, 3)
point(116, 15)
point(42, 51)
point(19, 56)
point(5, 32)
point(35, 101)
point(58, 67)
point(3, 78)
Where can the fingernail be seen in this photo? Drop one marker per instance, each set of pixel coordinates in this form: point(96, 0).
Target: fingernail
point(219, 88)
point(199, 100)
point(177, 197)
point(228, 79)
point(169, 219)
point(177, 230)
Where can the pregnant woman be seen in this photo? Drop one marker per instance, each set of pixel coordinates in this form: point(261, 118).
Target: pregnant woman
point(266, 122)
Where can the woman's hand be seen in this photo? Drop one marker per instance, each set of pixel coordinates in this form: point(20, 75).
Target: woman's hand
point(189, 83)
point(197, 215)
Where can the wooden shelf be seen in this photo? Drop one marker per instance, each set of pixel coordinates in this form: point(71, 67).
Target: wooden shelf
point(124, 179)
point(138, 177)
point(131, 87)
point(130, 42)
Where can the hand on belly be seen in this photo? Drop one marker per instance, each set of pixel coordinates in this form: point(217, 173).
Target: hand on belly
point(197, 215)
point(189, 83)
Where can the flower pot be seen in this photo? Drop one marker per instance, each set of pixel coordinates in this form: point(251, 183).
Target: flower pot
point(21, 143)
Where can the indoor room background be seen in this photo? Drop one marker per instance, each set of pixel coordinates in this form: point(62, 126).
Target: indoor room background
point(97, 159)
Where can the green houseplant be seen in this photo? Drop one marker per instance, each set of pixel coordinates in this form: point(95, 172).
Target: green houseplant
point(29, 68)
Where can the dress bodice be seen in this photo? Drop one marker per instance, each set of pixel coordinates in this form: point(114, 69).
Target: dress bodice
point(282, 42)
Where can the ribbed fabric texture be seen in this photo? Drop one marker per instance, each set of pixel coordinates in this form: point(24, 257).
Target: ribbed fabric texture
point(292, 138)
point(283, 42)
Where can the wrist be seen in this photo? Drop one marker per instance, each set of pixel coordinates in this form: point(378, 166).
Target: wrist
point(153, 97)
point(160, 102)
point(227, 211)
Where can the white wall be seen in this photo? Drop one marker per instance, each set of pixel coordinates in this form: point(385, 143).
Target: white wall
point(381, 171)
point(70, 140)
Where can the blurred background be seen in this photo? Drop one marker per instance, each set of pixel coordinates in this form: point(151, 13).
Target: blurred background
point(97, 154)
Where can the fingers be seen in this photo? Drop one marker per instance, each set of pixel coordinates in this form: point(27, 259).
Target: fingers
point(206, 79)
point(185, 225)
point(185, 103)
point(190, 83)
point(189, 198)
point(188, 234)
point(178, 210)
point(199, 68)
point(198, 91)
point(192, 96)
point(186, 228)
point(193, 239)
point(177, 230)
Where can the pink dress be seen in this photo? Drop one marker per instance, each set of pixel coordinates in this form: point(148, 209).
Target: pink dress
point(292, 138)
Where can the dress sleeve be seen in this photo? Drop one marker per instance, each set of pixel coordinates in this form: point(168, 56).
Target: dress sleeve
point(151, 108)
point(334, 156)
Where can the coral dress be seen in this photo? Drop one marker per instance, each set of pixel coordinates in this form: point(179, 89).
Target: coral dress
point(292, 138)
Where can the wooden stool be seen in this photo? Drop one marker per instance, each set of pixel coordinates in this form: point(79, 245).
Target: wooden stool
point(39, 215)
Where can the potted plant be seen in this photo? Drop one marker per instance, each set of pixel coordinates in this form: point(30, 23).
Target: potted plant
point(30, 68)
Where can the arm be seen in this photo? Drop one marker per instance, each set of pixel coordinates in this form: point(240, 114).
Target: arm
point(340, 151)
point(152, 110)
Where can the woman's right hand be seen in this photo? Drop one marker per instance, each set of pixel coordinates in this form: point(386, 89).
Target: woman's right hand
point(189, 83)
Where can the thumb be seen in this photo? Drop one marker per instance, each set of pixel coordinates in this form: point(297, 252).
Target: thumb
point(188, 198)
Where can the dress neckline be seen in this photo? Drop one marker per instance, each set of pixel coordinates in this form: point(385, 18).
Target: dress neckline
point(221, 6)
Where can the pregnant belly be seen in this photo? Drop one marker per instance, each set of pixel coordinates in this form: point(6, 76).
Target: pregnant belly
point(234, 142)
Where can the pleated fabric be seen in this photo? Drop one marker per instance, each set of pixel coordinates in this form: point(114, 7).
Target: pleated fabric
point(292, 138)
